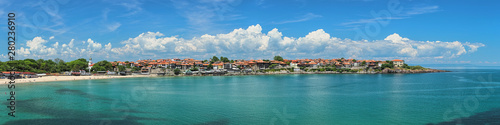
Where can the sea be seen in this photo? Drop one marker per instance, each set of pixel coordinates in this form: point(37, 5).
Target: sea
point(466, 95)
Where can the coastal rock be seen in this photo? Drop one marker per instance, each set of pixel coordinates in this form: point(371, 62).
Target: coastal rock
point(411, 71)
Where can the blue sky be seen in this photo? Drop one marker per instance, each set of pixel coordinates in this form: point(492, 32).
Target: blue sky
point(419, 31)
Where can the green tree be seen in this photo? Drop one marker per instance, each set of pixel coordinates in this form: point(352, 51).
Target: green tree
point(31, 65)
point(136, 69)
point(60, 65)
point(49, 66)
point(194, 69)
point(278, 58)
point(210, 67)
point(354, 60)
point(102, 66)
point(406, 66)
point(272, 66)
point(215, 59)
point(177, 71)
point(121, 68)
point(363, 63)
point(79, 64)
point(387, 66)
point(223, 59)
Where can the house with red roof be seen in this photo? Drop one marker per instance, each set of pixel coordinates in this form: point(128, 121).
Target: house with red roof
point(398, 62)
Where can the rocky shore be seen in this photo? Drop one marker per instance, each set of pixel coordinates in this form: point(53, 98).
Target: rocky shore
point(385, 71)
point(412, 71)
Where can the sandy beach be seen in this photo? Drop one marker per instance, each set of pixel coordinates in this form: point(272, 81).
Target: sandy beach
point(67, 78)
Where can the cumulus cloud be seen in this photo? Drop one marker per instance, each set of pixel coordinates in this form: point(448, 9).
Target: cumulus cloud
point(37, 48)
point(93, 46)
point(253, 43)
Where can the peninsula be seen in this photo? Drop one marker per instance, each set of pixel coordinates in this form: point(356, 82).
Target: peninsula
point(30, 68)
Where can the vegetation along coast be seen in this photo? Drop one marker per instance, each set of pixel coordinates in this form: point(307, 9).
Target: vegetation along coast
point(30, 70)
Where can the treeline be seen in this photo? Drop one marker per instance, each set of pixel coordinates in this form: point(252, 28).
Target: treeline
point(390, 64)
point(52, 66)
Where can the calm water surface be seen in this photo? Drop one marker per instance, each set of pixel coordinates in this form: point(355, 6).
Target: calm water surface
point(316, 99)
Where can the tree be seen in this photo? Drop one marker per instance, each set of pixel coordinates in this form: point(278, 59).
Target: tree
point(79, 64)
point(363, 63)
point(209, 67)
point(215, 59)
point(177, 71)
point(102, 66)
point(60, 66)
point(194, 69)
point(278, 58)
point(136, 69)
point(232, 61)
point(224, 59)
point(121, 68)
point(353, 60)
point(406, 66)
point(387, 66)
point(272, 66)
point(30, 65)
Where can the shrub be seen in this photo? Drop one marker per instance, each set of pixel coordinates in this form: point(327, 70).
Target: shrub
point(177, 71)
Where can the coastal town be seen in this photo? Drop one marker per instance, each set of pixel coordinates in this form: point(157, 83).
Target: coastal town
point(214, 65)
point(30, 68)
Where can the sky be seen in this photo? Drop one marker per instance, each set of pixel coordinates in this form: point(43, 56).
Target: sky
point(418, 31)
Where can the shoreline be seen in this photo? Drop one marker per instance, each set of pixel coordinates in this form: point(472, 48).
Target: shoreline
point(73, 78)
point(67, 78)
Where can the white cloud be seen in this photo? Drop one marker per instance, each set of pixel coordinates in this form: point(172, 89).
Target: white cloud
point(93, 46)
point(71, 43)
point(383, 19)
point(108, 46)
point(395, 38)
point(114, 26)
point(422, 10)
point(37, 48)
point(55, 45)
point(302, 18)
point(253, 43)
point(52, 37)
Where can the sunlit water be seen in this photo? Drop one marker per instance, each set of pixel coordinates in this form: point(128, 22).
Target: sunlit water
point(315, 99)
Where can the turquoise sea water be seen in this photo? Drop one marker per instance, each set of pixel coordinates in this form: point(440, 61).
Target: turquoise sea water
point(314, 99)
